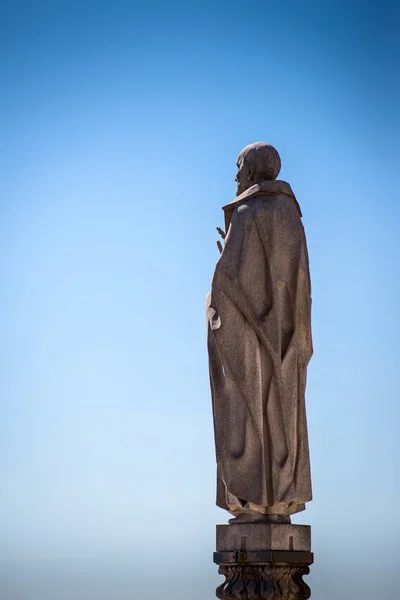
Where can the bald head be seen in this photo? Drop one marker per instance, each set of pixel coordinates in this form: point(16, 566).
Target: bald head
point(257, 162)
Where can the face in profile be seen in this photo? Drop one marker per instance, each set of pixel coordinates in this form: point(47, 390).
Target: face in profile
point(242, 176)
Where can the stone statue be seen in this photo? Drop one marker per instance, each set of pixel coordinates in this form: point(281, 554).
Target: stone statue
point(259, 345)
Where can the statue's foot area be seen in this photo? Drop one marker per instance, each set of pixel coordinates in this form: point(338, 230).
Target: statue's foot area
point(254, 517)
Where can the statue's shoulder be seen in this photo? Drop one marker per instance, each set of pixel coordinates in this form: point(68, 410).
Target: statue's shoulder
point(264, 203)
point(286, 206)
point(261, 200)
point(260, 205)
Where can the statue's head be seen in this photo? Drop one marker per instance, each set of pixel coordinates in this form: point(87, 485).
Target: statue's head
point(257, 162)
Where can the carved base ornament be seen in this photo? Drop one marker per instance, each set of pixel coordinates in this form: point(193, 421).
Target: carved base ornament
point(263, 582)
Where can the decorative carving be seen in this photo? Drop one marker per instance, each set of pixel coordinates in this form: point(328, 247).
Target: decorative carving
point(263, 582)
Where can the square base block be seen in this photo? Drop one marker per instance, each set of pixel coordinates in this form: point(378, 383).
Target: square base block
point(263, 536)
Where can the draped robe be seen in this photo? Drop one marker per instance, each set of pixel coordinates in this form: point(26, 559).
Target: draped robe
point(259, 345)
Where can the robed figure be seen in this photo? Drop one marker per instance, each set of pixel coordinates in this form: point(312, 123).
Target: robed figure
point(259, 344)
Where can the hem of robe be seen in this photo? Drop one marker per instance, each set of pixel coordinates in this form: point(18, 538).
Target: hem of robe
point(239, 506)
point(284, 508)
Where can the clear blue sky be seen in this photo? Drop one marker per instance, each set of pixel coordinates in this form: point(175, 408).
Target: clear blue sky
point(121, 123)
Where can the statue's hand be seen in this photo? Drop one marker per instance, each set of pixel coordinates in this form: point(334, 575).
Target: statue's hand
point(223, 235)
point(221, 232)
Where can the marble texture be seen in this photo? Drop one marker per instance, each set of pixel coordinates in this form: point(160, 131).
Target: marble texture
point(259, 345)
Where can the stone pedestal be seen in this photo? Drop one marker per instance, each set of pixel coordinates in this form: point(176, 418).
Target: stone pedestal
point(263, 561)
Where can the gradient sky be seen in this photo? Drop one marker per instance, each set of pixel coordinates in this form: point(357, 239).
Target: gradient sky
point(121, 124)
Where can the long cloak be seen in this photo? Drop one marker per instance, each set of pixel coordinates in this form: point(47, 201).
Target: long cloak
point(259, 345)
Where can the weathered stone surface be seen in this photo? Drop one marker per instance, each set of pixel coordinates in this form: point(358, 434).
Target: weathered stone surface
point(263, 582)
point(263, 536)
point(259, 344)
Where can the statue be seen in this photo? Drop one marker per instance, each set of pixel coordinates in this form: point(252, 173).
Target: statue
point(259, 345)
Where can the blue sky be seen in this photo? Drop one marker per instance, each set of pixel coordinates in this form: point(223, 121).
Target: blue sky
point(121, 124)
